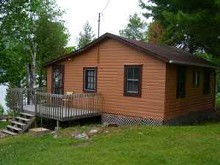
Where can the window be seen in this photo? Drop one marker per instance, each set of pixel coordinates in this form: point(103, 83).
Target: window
point(132, 80)
point(90, 79)
point(181, 82)
point(196, 78)
point(206, 82)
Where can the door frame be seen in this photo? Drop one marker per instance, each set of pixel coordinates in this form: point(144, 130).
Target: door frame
point(61, 68)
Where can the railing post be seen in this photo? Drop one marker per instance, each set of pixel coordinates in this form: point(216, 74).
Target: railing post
point(28, 97)
point(21, 97)
point(35, 103)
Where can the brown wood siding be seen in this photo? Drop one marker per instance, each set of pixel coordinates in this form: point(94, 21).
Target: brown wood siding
point(113, 55)
point(194, 99)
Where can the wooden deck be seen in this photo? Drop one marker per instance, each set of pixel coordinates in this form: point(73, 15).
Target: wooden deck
point(60, 113)
point(58, 107)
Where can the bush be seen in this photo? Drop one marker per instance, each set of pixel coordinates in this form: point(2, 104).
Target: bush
point(1, 110)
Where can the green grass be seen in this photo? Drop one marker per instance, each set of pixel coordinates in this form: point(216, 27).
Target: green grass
point(198, 144)
point(218, 103)
point(3, 124)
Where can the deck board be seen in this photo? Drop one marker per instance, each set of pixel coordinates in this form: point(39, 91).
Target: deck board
point(60, 113)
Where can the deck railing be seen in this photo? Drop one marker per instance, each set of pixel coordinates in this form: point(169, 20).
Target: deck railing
point(20, 97)
point(65, 107)
point(55, 106)
point(15, 99)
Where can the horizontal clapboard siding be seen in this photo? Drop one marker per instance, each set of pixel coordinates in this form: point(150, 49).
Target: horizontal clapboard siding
point(194, 100)
point(113, 55)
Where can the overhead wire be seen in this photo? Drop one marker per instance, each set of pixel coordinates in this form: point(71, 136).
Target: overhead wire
point(99, 16)
point(105, 6)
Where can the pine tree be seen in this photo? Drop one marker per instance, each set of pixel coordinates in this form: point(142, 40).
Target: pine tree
point(86, 36)
point(191, 25)
point(135, 29)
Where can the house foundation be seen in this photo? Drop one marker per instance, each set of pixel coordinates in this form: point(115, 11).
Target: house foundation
point(191, 118)
point(128, 120)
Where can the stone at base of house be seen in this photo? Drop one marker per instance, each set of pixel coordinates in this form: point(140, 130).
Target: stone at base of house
point(184, 119)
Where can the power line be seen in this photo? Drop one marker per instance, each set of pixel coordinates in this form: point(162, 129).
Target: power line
point(99, 16)
point(106, 6)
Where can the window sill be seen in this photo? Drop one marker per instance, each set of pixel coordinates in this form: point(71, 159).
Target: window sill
point(132, 94)
point(89, 91)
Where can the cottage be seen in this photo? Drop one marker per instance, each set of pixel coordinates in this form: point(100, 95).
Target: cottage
point(139, 82)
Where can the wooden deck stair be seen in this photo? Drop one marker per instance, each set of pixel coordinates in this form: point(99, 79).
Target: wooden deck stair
point(19, 124)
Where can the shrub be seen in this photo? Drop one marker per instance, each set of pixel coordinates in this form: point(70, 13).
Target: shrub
point(1, 110)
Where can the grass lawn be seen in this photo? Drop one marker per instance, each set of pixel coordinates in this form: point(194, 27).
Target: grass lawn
point(218, 103)
point(198, 144)
point(3, 124)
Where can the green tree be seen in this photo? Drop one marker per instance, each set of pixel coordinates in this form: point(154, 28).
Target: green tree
point(86, 36)
point(50, 44)
point(25, 40)
point(1, 110)
point(190, 25)
point(135, 29)
point(155, 32)
point(12, 63)
point(69, 49)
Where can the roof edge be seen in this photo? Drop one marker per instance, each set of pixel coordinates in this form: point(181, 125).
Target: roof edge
point(100, 39)
point(214, 66)
point(130, 44)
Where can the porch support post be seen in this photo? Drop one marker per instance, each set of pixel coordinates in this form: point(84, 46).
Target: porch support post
point(57, 129)
point(58, 125)
point(35, 107)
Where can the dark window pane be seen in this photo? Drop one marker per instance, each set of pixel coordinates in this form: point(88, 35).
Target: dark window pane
point(129, 73)
point(132, 80)
point(90, 73)
point(133, 73)
point(132, 86)
point(206, 82)
point(181, 78)
point(136, 73)
point(196, 78)
point(90, 79)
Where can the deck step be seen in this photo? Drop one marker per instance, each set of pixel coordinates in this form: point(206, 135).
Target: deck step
point(21, 118)
point(27, 114)
point(9, 132)
point(18, 123)
point(14, 128)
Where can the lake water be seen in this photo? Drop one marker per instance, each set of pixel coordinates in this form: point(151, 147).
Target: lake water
point(2, 96)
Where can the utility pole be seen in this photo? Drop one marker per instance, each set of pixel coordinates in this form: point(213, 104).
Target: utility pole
point(99, 15)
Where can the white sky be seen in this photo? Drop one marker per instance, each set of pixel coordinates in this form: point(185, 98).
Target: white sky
point(114, 18)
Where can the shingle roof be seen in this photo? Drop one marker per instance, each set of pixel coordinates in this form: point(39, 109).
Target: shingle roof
point(166, 53)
